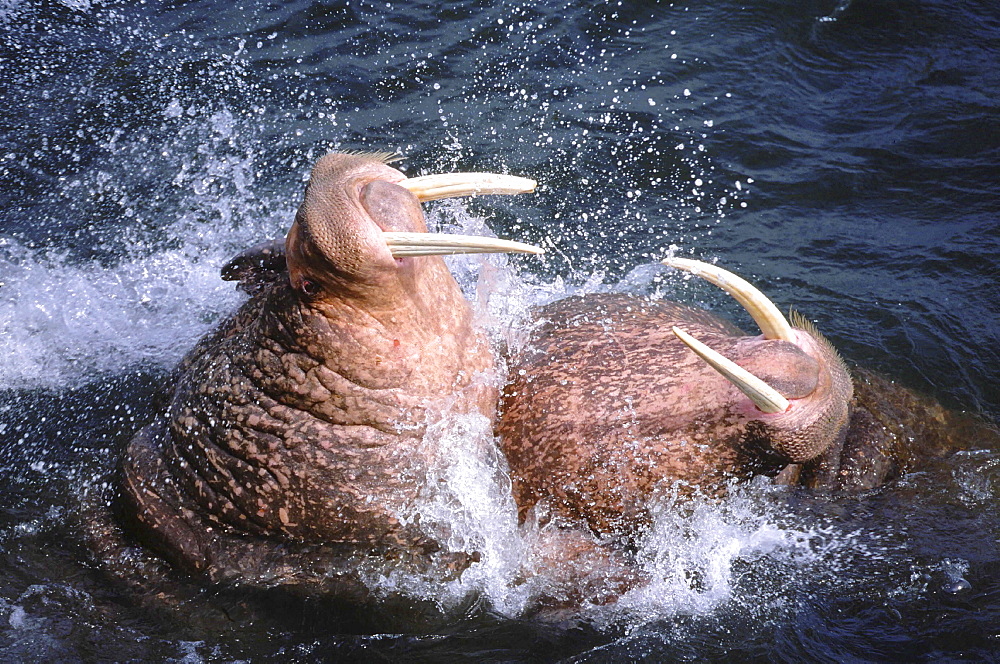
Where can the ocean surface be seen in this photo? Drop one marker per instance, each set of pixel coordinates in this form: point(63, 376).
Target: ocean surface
point(844, 155)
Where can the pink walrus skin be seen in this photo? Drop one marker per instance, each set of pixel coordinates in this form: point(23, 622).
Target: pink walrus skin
point(614, 400)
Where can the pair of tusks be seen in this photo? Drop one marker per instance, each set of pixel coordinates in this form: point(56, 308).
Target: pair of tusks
point(771, 322)
point(449, 185)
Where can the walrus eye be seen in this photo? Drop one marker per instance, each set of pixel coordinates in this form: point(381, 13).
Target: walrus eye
point(308, 287)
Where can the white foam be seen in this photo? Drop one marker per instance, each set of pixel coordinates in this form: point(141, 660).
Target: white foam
point(61, 323)
point(63, 319)
point(468, 499)
point(690, 552)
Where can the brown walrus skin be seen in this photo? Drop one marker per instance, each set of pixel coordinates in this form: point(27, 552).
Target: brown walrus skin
point(605, 408)
point(286, 453)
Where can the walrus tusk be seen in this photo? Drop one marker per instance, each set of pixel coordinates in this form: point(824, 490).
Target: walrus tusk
point(763, 395)
point(449, 185)
point(767, 316)
point(434, 244)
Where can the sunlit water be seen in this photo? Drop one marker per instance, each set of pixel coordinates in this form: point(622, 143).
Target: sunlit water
point(842, 154)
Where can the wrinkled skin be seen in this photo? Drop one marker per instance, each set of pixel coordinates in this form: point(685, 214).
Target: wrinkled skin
point(286, 454)
point(606, 407)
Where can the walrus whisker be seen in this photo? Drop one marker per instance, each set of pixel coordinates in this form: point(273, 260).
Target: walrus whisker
point(767, 316)
point(436, 244)
point(763, 395)
point(451, 185)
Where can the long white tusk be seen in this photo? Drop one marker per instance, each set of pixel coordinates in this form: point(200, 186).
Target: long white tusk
point(435, 244)
point(767, 316)
point(763, 395)
point(450, 185)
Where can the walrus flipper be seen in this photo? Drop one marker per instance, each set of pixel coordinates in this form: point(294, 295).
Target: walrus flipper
point(257, 267)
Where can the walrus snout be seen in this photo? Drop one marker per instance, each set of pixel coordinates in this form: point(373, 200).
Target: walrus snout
point(796, 356)
point(392, 208)
point(335, 242)
point(359, 215)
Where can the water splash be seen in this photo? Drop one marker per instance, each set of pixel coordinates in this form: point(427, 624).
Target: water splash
point(60, 323)
point(468, 500)
point(143, 292)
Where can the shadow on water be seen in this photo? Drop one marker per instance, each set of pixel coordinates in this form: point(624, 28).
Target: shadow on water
point(840, 154)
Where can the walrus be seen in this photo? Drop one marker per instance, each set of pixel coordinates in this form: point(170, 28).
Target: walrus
point(288, 452)
point(616, 398)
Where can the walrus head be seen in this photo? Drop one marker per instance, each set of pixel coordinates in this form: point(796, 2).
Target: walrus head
point(355, 232)
point(797, 389)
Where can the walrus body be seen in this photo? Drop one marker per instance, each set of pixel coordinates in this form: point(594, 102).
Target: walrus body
point(290, 449)
point(605, 408)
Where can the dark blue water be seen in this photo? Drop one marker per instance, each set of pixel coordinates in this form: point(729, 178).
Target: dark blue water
point(843, 155)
